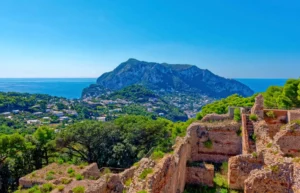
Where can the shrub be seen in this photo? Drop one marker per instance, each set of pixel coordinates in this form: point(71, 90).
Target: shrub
point(60, 187)
point(70, 170)
point(47, 187)
point(220, 180)
point(79, 177)
point(72, 175)
point(224, 168)
point(274, 168)
point(79, 189)
point(106, 171)
point(66, 180)
point(145, 173)
point(208, 144)
point(253, 117)
point(271, 114)
point(223, 190)
point(254, 154)
point(33, 174)
point(269, 145)
point(157, 155)
point(51, 172)
point(253, 137)
point(60, 161)
point(239, 132)
point(128, 182)
point(49, 177)
point(237, 114)
point(33, 189)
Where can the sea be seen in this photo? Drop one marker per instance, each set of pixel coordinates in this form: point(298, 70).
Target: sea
point(72, 87)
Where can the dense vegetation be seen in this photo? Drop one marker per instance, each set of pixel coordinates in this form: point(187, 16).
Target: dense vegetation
point(282, 97)
point(118, 143)
point(285, 97)
point(143, 98)
point(221, 106)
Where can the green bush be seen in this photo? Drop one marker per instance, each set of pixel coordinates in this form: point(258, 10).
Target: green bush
point(66, 180)
point(223, 190)
point(220, 180)
point(208, 144)
point(47, 187)
point(79, 189)
point(60, 187)
point(49, 177)
point(70, 170)
point(269, 145)
point(239, 131)
point(128, 182)
point(79, 177)
point(274, 168)
point(157, 155)
point(253, 137)
point(60, 161)
point(237, 115)
point(145, 173)
point(253, 117)
point(271, 114)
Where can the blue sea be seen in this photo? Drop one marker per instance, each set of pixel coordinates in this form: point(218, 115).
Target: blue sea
point(63, 87)
point(72, 87)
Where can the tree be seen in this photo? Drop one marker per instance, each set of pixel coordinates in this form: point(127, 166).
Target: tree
point(43, 139)
point(89, 140)
point(290, 91)
point(237, 114)
point(10, 146)
point(271, 95)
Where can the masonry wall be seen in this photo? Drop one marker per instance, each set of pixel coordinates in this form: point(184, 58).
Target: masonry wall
point(223, 138)
point(293, 115)
point(200, 175)
point(239, 168)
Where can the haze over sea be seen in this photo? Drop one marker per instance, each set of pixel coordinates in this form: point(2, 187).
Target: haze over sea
point(72, 87)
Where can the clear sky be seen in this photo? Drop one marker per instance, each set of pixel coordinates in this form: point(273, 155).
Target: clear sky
point(85, 38)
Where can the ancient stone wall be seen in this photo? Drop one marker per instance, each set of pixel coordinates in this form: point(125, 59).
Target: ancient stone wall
point(215, 142)
point(288, 139)
point(215, 117)
point(276, 178)
point(293, 115)
point(258, 107)
point(239, 168)
point(200, 175)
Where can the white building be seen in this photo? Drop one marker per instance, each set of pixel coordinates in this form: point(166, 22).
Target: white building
point(103, 119)
point(58, 113)
point(33, 122)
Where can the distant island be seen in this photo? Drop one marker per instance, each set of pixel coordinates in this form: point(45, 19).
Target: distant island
point(184, 86)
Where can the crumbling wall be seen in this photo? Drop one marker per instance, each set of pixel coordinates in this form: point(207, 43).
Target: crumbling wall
point(239, 168)
point(215, 142)
point(203, 175)
point(276, 178)
point(293, 115)
point(288, 139)
point(215, 117)
point(258, 107)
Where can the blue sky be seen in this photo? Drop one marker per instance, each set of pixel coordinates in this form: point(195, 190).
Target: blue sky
point(80, 38)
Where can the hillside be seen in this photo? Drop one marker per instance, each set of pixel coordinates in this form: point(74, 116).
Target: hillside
point(138, 100)
point(168, 78)
point(186, 87)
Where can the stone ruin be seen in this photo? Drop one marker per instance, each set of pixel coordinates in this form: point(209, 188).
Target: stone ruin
point(263, 157)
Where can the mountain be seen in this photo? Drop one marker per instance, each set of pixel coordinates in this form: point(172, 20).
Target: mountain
point(167, 78)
